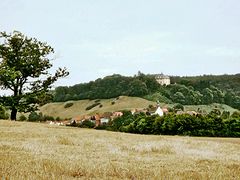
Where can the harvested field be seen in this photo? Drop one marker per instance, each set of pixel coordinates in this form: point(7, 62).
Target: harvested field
point(42, 151)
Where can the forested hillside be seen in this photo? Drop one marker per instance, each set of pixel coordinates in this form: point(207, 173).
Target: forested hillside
point(220, 89)
point(197, 90)
point(223, 82)
point(108, 87)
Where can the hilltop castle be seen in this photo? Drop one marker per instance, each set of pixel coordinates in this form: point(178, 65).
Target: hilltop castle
point(162, 79)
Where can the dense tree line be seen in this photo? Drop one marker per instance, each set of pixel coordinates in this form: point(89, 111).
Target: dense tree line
point(219, 89)
point(184, 90)
point(213, 124)
point(222, 82)
point(108, 87)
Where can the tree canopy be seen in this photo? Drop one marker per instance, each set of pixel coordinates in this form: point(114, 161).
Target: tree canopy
point(24, 70)
point(183, 90)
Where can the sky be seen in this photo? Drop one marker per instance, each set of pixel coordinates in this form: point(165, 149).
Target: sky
point(96, 38)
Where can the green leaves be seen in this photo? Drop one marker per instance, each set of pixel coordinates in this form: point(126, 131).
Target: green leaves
point(184, 124)
point(3, 113)
point(24, 65)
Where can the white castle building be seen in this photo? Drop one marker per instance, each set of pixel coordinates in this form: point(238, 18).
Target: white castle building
point(162, 79)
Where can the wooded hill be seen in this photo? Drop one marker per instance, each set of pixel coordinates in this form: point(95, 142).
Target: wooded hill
point(198, 90)
point(222, 82)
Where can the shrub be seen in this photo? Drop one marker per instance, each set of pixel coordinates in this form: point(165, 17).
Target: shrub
point(178, 107)
point(113, 102)
point(225, 114)
point(58, 119)
point(41, 117)
point(22, 118)
point(215, 112)
point(100, 106)
point(67, 105)
point(87, 124)
point(170, 109)
point(33, 116)
point(48, 118)
point(97, 100)
point(92, 106)
point(235, 114)
point(3, 113)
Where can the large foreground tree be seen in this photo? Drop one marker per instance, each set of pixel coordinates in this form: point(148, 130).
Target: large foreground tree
point(24, 70)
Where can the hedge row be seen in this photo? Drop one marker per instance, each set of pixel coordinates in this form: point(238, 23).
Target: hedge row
point(172, 124)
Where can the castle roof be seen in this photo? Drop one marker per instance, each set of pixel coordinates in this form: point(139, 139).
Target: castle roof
point(161, 76)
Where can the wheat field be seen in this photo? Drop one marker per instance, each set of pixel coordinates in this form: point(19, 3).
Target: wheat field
point(43, 151)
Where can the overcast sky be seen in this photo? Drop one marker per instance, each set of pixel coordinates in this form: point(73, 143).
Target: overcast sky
point(95, 38)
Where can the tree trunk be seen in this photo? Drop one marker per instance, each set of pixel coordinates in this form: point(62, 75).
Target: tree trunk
point(14, 114)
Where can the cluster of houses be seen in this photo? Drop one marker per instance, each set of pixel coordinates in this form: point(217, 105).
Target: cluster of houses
point(101, 119)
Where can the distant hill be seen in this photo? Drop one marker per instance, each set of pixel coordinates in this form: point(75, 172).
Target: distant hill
point(79, 107)
point(121, 103)
point(198, 90)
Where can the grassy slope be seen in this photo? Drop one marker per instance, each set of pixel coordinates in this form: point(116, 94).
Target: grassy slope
point(124, 103)
point(42, 151)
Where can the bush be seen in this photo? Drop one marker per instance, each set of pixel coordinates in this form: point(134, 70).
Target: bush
point(33, 116)
point(113, 102)
point(87, 124)
point(92, 106)
point(22, 118)
point(48, 118)
point(235, 114)
point(67, 105)
point(58, 119)
point(100, 106)
point(225, 114)
point(170, 109)
point(178, 107)
point(3, 113)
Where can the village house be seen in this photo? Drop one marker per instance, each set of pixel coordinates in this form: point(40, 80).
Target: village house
point(159, 111)
point(117, 114)
point(162, 79)
point(104, 120)
point(97, 119)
